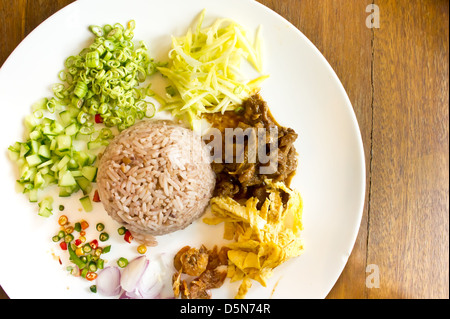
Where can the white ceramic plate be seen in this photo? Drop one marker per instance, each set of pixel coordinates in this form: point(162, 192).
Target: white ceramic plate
point(303, 92)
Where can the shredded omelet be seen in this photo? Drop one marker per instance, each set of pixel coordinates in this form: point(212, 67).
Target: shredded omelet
point(263, 238)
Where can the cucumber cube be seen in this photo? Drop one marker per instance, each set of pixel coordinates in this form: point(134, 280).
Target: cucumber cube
point(67, 179)
point(63, 142)
point(90, 172)
point(44, 151)
point(33, 160)
point(86, 203)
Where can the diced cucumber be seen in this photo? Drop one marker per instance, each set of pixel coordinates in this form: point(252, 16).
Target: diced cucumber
point(30, 122)
point(92, 158)
point(82, 158)
point(47, 130)
point(27, 173)
point(15, 147)
point(90, 172)
point(24, 149)
point(40, 104)
point(44, 151)
point(57, 128)
point(45, 164)
point(46, 207)
point(48, 180)
point(33, 195)
point(66, 118)
point(76, 173)
point(63, 162)
point(35, 135)
point(66, 179)
point(63, 142)
point(53, 144)
point(72, 164)
point(33, 160)
point(27, 187)
point(34, 145)
point(66, 191)
point(45, 212)
point(46, 121)
point(86, 203)
point(84, 184)
point(38, 180)
point(13, 155)
point(94, 145)
point(44, 170)
point(72, 129)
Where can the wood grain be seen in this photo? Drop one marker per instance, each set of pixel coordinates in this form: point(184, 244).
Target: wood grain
point(408, 222)
point(12, 15)
point(397, 80)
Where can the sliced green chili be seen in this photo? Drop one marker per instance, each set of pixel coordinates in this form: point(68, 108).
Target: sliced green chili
point(100, 227)
point(104, 236)
point(122, 262)
point(122, 230)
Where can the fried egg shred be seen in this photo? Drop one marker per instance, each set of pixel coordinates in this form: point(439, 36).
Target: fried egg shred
point(263, 238)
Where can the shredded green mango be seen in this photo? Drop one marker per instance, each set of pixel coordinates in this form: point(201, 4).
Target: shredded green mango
point(205, 69)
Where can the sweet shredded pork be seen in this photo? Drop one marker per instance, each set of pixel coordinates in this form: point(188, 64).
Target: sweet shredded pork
point(209, 267)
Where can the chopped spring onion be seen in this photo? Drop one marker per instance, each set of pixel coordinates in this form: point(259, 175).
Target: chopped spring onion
point(205, 71)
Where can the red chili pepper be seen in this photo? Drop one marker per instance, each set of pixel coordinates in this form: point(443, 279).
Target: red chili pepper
point(78, 242)
point(63, 245)
point(128, 237)
point(96, 197)
point(98, 118)
point(91, 275)
point(94, 244)
point(84, 224)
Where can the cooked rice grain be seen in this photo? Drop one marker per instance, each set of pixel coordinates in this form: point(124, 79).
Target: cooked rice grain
point(166, 186)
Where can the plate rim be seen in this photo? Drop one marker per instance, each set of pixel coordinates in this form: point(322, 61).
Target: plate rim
point(355, 125)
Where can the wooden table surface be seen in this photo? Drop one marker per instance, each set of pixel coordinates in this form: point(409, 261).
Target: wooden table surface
point(396, 74)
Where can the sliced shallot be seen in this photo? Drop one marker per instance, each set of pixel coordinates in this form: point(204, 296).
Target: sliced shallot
point(108, 281)
point(132, 274)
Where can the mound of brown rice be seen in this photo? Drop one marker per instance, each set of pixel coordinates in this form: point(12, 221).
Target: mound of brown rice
point(155, 178)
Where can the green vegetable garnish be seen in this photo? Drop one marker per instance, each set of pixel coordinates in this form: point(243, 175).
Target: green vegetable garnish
point(65, 132)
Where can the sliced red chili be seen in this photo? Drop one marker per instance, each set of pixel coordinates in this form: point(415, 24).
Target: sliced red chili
point(98, 118)
point(63, 245)
point(78, 242)
point(94, 244)
point(96, 197)
point(91, 275)
point(84, 224)
point(128, 237)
